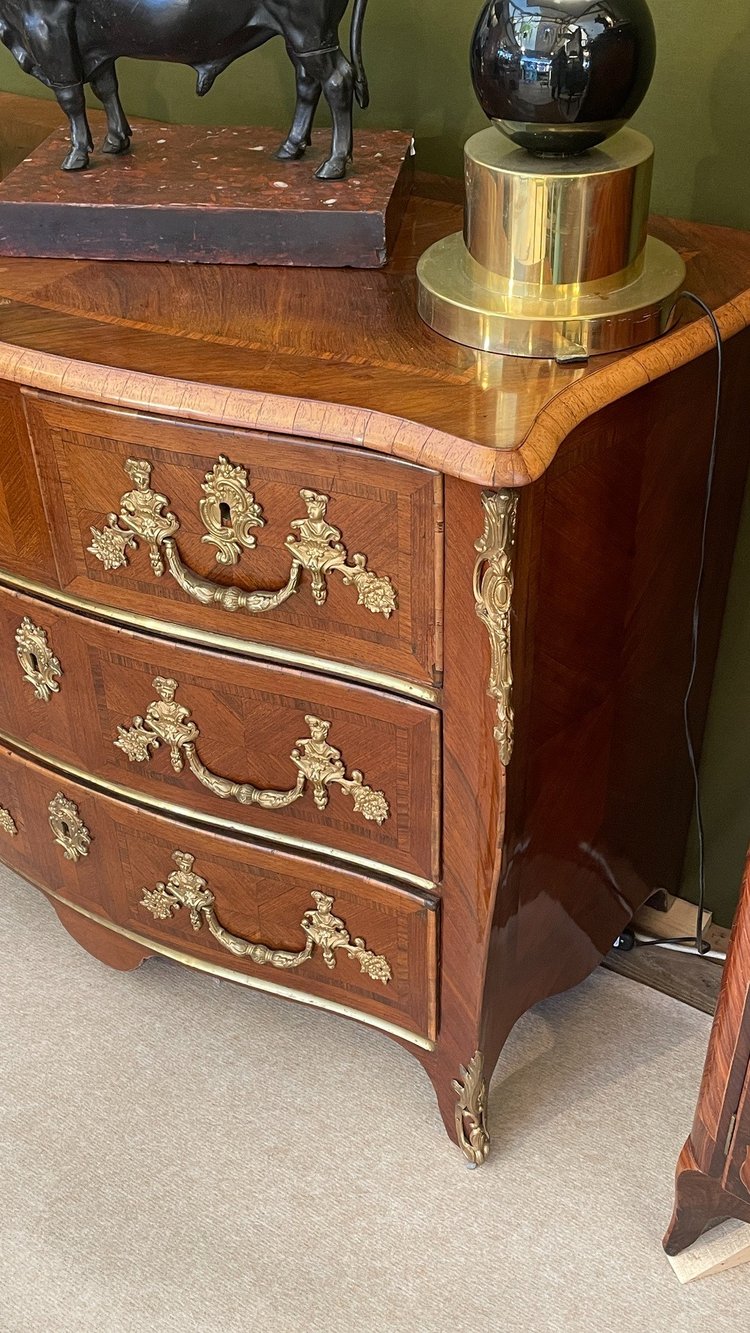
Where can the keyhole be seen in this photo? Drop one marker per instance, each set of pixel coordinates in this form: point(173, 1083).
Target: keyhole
point(225, 513)
point(65, 829)
point(34, 663)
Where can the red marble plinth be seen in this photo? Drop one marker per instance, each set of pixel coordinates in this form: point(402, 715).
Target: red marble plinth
point(212, 195)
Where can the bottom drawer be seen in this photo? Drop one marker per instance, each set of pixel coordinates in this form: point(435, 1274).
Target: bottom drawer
point(324, 936)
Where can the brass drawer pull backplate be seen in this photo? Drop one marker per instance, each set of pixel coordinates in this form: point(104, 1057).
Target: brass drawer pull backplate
point(169, 723)
point(184, 888)
point(314, 545)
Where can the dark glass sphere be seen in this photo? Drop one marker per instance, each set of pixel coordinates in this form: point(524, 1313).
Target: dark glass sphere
point(560, 76)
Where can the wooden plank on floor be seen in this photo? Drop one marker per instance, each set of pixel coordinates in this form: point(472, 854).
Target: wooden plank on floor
point(686, 977)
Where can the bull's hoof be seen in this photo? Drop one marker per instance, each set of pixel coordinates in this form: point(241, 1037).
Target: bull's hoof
point(116, 143)
point(77, 160)
point(290, 151)
point(332, 170)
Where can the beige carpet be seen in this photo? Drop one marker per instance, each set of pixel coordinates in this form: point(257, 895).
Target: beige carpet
point(180, 1154)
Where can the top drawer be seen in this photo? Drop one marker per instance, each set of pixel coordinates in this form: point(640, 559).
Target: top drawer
point(311, 548)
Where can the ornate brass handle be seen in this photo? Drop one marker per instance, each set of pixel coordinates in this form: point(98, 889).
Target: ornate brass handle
point(184, 888)
point(38, 662)
point(169, 723)
point(7, 822)
point(314, 545)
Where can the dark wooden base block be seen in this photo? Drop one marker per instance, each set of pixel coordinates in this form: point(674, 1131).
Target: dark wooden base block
point(211, 195)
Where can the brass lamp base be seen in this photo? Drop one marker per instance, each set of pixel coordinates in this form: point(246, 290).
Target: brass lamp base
point(554, 261)
point(468, 304)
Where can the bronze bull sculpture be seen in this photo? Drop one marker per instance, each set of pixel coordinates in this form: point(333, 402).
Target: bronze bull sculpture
point(69, 43)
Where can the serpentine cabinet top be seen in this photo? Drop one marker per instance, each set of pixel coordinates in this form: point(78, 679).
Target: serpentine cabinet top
point(334, 353)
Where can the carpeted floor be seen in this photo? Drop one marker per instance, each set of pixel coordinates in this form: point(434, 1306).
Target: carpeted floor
point(180, 1154)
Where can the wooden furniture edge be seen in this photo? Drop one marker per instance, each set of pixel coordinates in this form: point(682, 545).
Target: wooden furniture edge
point(576, 402)
point(381, 432)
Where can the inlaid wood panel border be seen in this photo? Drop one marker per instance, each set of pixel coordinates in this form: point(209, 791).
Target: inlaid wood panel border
point(381, 432)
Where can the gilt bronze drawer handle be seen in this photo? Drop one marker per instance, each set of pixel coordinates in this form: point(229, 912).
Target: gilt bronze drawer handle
point(493, 594)
point(38, 662)
point(314, 544)
point(69, 829)
point(186, 889)
point(7, 822)
point(169, 723)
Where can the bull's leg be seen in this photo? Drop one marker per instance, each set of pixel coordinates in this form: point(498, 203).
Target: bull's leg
point(105, 86)
point(338, 90)
point(73, 103)
point(334, 73)
point(298, 139)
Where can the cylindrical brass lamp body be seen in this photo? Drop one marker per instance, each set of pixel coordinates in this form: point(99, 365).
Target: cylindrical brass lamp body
point(561, 221)
point(554, 260)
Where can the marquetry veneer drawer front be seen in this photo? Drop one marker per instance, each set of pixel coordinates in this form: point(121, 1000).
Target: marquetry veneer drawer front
point(281, 919)
point(308, 547)
point(299, 756)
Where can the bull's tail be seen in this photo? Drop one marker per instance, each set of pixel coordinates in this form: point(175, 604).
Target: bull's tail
point(361, 88)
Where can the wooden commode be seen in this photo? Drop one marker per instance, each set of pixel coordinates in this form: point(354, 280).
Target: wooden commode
point(342, 661)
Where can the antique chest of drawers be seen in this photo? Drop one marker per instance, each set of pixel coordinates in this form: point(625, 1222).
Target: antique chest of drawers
point(341, 661)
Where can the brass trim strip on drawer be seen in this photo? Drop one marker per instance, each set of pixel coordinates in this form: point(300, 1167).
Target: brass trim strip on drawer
point(255, 983)
point(211, 821)
point(286, 657)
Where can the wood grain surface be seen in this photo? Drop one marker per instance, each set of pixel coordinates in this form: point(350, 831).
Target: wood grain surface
point(250, 718)
point(392, 513)
point(259, 896)
point(713, 1172)
point(194, 193)
point(374, 375)
point(333, 376)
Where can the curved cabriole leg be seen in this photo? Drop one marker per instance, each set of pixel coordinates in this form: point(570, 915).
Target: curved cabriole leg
point(106, 945)
point(461, 1090)
point(700, 1203)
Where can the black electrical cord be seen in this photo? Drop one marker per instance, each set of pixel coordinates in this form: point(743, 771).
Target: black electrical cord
point(701, 946)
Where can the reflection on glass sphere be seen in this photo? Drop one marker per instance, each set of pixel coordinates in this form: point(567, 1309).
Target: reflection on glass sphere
point(560, 76)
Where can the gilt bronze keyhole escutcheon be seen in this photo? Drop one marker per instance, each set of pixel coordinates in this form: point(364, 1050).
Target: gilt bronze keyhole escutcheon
point(68, 828)
point(40, 667)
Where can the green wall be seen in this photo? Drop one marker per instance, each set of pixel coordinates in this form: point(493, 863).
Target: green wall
point(697, 113)
point(416, 55)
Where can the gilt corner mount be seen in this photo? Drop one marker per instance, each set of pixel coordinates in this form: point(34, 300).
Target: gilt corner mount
point(493, 595)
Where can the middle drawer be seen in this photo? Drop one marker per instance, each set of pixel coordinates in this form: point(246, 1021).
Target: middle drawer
point(335, 768)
